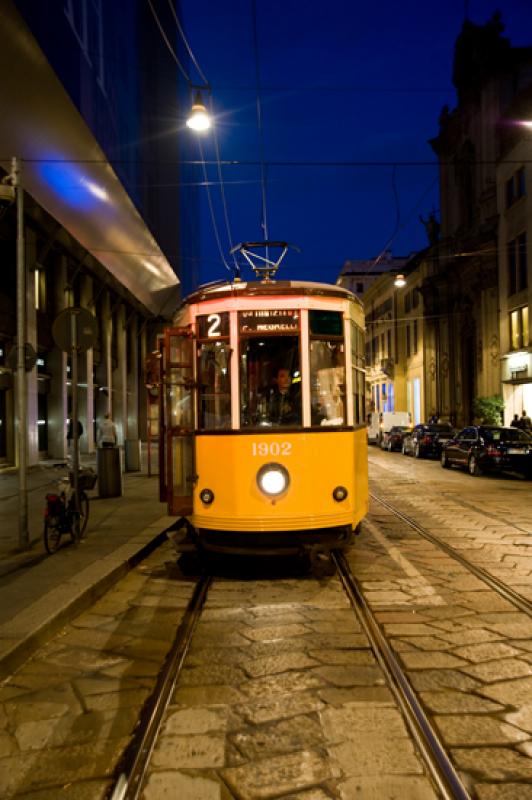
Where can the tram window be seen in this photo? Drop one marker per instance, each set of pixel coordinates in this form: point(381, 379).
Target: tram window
point(327, 382)
point(214, 386)
point(358, 375)
point(270, 382)
point(326, 323)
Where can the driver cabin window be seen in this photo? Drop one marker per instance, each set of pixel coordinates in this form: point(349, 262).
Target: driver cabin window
point(270, 372)
point(214, 379)
point(327, 368)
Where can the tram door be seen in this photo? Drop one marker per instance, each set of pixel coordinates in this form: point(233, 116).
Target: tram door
point(178, 467)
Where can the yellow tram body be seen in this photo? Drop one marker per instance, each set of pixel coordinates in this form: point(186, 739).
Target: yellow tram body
point(265, 469)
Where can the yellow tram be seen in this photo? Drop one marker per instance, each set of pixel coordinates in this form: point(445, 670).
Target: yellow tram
point(262, 435)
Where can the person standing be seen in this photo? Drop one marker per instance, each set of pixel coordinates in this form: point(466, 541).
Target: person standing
point(107, 432)
point(516, 422)
point(526, 422)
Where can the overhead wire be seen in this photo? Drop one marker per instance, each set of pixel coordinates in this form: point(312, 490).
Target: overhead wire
point(264, 223)
point(203, 162)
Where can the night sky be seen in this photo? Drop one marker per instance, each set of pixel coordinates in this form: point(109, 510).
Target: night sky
point(340, 82)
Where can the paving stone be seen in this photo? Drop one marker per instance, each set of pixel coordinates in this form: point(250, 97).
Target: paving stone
point(189, 752)
point(311, 794)
point(27, 709)
point(273, 777)
point(458, 703)
point(475, 729)
point(271, 633)
point(296, 733)
point(494, 763)
point(503, 791)
point(207, 696)
point(354, 721)
point(217, 655)
point(8, 745)
point(281, 684)
point(212, 675)
point(105, 684)
point(195, 720)
point(486, 652)
point(351, 675)
point(522, 718)
point(128, 698)
point(470, 636)
point(525, 748)
point(383, 788)
point(173, 784)
point(509, 692)
point(424, 643)
point(438, 679)
point(85, 790)
point(359, 694)
point(409, 629)
point(375, 755)
point(504, 669)
point(336, 657)
point(284, 706)
point(431, 660)
point(514, 630)
point(270, 665)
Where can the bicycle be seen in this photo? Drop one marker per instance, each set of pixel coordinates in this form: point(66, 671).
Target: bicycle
point(60, 514)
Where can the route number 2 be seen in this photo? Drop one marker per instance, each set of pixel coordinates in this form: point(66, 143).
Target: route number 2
point(214, 327)
point(272, 449)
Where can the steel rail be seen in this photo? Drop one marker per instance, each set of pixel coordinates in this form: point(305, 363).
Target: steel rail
point(505, 591)
point(135, 759)
point(436, 759)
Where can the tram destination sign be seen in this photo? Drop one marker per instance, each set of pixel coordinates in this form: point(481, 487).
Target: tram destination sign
point(283, 320)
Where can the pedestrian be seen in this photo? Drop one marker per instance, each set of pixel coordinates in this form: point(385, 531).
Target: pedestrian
point(516, 422)
point(526, 422)
point(70, 433)
point(107, 432)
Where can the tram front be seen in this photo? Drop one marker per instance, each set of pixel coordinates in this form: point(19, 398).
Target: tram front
point(264, 424)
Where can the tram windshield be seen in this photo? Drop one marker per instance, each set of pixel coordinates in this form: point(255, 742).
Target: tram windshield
point(327, 368)
point(270, 382)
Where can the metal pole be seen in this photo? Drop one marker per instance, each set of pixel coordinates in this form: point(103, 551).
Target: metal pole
point(22, 402)
point(74, 415)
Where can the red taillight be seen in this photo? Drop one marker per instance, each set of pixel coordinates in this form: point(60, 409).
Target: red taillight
point(492, 451)
point(426, 440)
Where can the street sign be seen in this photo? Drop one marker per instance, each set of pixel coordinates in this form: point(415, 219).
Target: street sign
point(30, 357)
point(84, 329)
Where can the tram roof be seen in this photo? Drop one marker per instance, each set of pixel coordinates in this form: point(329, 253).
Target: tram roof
point(273, 288)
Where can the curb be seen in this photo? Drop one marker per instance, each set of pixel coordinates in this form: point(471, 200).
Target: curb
point(26, 638)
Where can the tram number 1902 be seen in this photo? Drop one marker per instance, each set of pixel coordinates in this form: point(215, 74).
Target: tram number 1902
point(271, 448)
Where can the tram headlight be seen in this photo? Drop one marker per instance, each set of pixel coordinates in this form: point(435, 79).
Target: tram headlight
point(206, 496)
point(340, 493)
point(273, 479)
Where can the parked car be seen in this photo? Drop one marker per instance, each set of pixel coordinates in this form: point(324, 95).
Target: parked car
point(490, 448)
point(427, 439)
point(393, 439)
point(379, 424)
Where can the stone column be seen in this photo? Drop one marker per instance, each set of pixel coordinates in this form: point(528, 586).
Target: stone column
point(132, 435)
point(31, 338)
point(86, 375)
point(143, 347)
point(120, 375)
point(104, 403)
point(57, 367)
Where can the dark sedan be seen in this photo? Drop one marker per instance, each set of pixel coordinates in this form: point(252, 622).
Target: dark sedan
point(427, 439)
point(490, 448)
point(393, 439)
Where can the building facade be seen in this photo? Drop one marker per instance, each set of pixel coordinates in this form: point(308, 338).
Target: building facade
point(96, 137)
point(459, 332)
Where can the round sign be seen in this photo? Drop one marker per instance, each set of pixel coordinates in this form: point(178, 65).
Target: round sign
point(30, 357)
point(74, 325)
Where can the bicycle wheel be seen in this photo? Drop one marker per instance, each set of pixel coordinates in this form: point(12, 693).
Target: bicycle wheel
point(78, 523)
point(52, 537)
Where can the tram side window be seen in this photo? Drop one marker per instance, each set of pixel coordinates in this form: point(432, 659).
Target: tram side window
point(327, 368)
point(358, 374)
point(270, 382)
point(214, 386)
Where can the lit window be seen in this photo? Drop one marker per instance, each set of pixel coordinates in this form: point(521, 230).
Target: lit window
point(519, 328)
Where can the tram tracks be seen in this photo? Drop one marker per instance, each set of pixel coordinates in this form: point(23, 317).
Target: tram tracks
point(135, 760)
point(135, 763)
point(502, 589)
point(439, 765)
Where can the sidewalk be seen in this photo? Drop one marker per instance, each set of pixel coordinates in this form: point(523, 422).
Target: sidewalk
point(38, 592)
